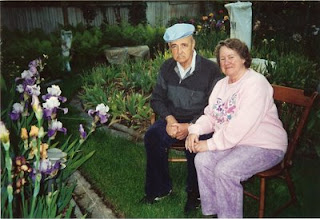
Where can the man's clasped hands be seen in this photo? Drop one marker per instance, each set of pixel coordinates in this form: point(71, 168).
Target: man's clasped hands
point(180, 131)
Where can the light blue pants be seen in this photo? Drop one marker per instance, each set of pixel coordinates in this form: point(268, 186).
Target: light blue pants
point(220, 173)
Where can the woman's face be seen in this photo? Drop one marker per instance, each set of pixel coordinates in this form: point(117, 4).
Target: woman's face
point(231, 63)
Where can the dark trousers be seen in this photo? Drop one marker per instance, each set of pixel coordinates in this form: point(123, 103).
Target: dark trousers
point(158, 180)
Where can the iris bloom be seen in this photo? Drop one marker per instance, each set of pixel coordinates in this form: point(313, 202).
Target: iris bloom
point(34, 131)
point(46, 168)
point(17, 109)
point(54, 127)
point(51, 165)
point(50, 107)
point(24, 134)
point(26, 74)
point(43, 150)
point(100, 114)
point(33, 90)
point(20, 88)
point(83, 133)
point(54, 91)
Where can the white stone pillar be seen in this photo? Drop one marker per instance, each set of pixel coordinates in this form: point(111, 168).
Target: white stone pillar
point(240, 14)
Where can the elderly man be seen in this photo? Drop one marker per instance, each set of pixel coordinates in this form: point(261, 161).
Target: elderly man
point(184, 84)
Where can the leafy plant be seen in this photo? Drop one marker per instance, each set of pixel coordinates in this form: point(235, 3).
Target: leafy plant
point(34, 168)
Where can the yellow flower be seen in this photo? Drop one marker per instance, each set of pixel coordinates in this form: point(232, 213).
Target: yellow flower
point(43, 151)
point(34, 131)
point(24, 167)
point(226, 18)
point(211, 14)
point(32, 152)
point(4, 133)
point(199, 27)
point(24, 134)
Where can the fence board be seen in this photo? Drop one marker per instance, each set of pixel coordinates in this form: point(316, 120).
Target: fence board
point(48, 16)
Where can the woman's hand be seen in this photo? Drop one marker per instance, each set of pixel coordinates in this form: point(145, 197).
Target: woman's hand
point(191, 141)
point(201, 146)
point(194, 145)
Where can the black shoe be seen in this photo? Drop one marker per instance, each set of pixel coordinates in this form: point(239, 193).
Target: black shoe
point(193, 202)
point(152, 199)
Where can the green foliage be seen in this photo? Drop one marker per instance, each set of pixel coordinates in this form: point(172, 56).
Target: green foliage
point(86, 46)
point(202, 42)
point(133, 35)
point(294, 70)
point(126, 88)
point(20, 47)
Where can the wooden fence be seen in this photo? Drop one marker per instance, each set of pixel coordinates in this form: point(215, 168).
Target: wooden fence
point(48, 16)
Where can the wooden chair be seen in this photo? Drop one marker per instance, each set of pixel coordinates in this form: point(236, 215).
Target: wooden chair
point(293, 107)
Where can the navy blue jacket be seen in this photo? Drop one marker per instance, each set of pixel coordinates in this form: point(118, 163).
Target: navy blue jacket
point(184, 99)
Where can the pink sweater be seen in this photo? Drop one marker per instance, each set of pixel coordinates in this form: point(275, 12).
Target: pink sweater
point(242, 113)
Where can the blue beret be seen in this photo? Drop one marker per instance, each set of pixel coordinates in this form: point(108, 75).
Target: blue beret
point(178, 31)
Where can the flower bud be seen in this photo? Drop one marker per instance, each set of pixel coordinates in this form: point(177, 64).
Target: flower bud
point(41, 132)
point(10, 192)
point(36, 107)
point(4, 133)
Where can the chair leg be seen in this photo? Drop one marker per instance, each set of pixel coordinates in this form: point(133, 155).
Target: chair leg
point(293, 197)
point(262, 196)
point(290, 186)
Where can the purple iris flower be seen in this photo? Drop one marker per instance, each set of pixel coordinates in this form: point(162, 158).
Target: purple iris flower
point(100, 114)
point(50, 107)
point(83, 133)
point(46, 168)
point(219, 23)
point(54, 91)
point(16, 111)
point(33, 90)
point(54, 127)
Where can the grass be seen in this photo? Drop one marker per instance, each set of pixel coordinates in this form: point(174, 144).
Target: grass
point(117, 172)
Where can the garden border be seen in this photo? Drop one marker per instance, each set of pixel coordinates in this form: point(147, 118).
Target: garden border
point(86, 199)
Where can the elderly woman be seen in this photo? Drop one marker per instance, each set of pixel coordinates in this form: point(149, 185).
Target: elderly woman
point(248, 135)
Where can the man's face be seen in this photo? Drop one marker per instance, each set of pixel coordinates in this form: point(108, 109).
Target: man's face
point(182, 50)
